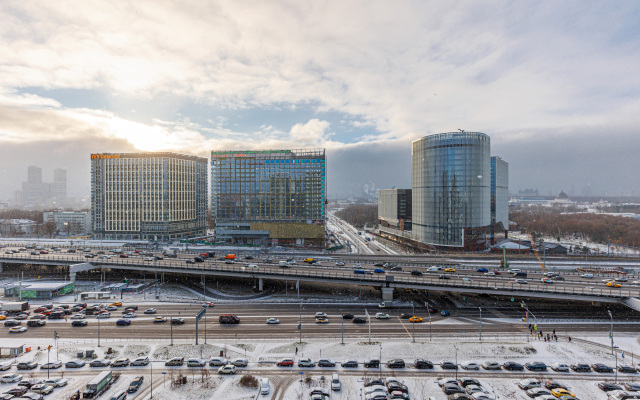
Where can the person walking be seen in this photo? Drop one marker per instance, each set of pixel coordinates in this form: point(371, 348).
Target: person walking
point(569, 339)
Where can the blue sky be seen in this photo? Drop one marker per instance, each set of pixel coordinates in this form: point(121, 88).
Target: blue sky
point(554, 84)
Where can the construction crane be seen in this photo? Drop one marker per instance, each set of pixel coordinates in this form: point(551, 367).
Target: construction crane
point(535, 251)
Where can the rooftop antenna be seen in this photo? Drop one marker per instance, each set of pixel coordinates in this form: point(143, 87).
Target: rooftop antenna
point(461, 130)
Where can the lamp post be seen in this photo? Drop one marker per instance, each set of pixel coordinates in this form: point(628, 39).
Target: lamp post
point(611, 331)
point(429, 311)
point(98, 331)
point(456, 347)
point(480, 308)
point(380, 362)
point(413, 322)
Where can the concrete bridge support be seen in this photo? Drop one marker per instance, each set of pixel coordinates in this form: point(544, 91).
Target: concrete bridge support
point(260, 284)
point(387, 294)
point(1, 269)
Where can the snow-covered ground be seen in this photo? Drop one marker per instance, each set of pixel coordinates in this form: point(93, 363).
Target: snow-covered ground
point(287, 385)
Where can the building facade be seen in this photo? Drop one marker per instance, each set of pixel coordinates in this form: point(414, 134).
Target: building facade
point(269, 197)
point(451, 181)
point(394, 210)
point(499, 196)
point(59, 187)
point(148, 196)
point(69, 222)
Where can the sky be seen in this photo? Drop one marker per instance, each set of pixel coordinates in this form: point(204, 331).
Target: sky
point(554, 84)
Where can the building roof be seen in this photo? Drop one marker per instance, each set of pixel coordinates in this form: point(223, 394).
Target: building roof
point(44, 285)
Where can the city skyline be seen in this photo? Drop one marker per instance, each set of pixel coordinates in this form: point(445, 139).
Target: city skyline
point(554, 84)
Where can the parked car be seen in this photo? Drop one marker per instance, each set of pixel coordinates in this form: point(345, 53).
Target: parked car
point(536, 366)
point(489, 365)
point(580, 367)
point(27, 365)
point(627, 369)
point(448, 365)
point(559, 367)
point(99, 363)
point(325, 362)
point(196, 362)
point(175, 362)
point(11, 378)
point(285, 362)
point(141, 361)
point(422, 364)
point(120, 362)
point(75, 364)
point(240, 362)
point(349, 364)
point(42, 388)
point(608, 387)
point(602, 368)
point(218, 361)
point(396, 363)
point(470, 365)
point(227, 369)
point(306, 362)
point(512, 366)
point(51, 365)
point(529, 383)
point(135, 384)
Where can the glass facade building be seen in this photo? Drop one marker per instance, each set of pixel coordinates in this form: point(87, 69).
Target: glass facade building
point(148, 196)
point(268, 186)
point(499, 193)
point(451, 181)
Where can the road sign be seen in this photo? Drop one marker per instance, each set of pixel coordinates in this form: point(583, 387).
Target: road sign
point(201, 314)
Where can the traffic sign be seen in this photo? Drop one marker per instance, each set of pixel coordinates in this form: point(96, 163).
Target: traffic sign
point(201, 314)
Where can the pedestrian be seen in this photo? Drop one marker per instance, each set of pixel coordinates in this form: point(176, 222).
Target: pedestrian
point(65, 318)
point(556, 337)
point(569, 339)
point(296, 350)
point(554, 331)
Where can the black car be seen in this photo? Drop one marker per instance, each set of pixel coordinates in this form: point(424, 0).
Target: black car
point(347, 316)
point(131, 308)
point(452, 388)
point(464, 382)
point(36, 323)
point(415, 272)
point(396, 268)
point(423, 364)
point(177, 321)
point(513, 366)
point(627, 369)
point(198, 259)
point(27, 384)
point(17, 391)
point(580, 367)
point(350, 364)
point(359, 320)
point(326, 363)
point(12, 322)
point(190, 261)
point(608, 387)
point(374, 382)
point(601, 368)
point(632, 386)
point(406, 315)
point(397, 363)
point(248, 257)
point(443, 276)
point(378, 265)
point(394, 386)
point(135, 384)
point(79, 322)
point(373, 363)
point(536, 366)
point(448, 365)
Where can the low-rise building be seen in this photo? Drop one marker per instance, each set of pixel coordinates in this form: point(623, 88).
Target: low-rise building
point(69, 222)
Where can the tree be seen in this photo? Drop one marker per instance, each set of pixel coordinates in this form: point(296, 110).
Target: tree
point(49, 228)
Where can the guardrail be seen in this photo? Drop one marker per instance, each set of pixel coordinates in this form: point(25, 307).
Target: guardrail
point(346, 277)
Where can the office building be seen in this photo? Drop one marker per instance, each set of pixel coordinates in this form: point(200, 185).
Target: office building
point(148, 196)
point(499, 197)
point(451, 182)
point(68, 222)
point(272, 197)
point(59, 188)
point(394, 211)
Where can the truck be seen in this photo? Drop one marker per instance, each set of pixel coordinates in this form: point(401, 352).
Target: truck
point(230, 257)
point(99, 384)
point(15, 306)
point(309, 260)
point(170, 253)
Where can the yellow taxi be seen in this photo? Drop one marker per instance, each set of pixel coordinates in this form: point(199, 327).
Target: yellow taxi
point(562, 392)
point(450, 270)
point(116, 303)
point(415, 319)
point(2, 317)
point(613, 284)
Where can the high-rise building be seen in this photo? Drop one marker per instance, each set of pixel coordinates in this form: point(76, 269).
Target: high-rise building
point(451, 182)
point(34, 190)
point(394, 211)
point(60, 185)
point(148, 196)
point(269, 196)
point(34, 174)
point(499, 195)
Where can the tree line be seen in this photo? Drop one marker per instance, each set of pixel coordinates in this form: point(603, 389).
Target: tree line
point(360, 215)
point(597, 228)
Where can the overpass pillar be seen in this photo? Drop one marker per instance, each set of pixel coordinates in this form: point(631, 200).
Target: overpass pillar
point(387, 294)
point(1, 265)
point(260, 284)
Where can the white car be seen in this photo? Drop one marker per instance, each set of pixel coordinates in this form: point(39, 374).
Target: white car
point(273, 321)
point(129, 315)
point(559, 367)
point(106, 257)
point(148, 259)
point(587, 275)
point(340, 264)
point(470, 365)
point(104, 315)
point(482, 396)
point(321, 315)
point(5, 365)
point(444, 381)
point(42, 388)
point(56, 382)
point(529, 383)
point(227, 369)
point(11, 378)
point(251, 266)
point(636, 282)
point(490, 273)
point(382, 315)
point(78, 316)
point(18, 329)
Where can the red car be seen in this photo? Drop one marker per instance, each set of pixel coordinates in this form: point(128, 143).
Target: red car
point(44, 252)
point(124, 256)
point(39, 310)
point(497, 272)
point(285, 362)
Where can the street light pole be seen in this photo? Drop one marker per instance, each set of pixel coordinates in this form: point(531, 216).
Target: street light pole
point(429, 311)
point(480, 322)
point(456, 347)
point(98, 331)
point(611, 332)
point(413, 322)
point(380, 362)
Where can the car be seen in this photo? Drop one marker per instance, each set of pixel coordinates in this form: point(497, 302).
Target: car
point(227, 369)
point(27, 365)
point(325, 362)
point(529, 383)
point(348, 316)
point(420, 363)
point(340, 264)
point(11, 378)
point(349, 364)
point(99, 363)
point(522, 281)
point(17, 391)
point(79, 323)
point(416, 272)
point(359, 320)
point(321, 315)
point(78, 316)
point(405, 315)
point(131, 308)
point(452, 388)
point(550, 385)
point(56, 382)
point(12, 322)
point(561, 392)
point(42, 388)
point(546, 281)
point(379, 271)
point(467, 381)
point(103, 315)
point(536, 392)
point(18, 329)
point(124, 256)
point(491, 365)
point(580, 367)
point(382, 315)
point(175, 362)
point(208, 304)
point(445, 313)
point(397, 363)
point(123, 322)
point(512, 366)
point(129, 315)
point(449, 270)
point(601, 368)
point(322, 321)
point(273, 321)
point(621, 279)
point(608, 387)
point(470, 365)
point(150, 311)
point(135, 384)
point(396, 268)
point(632, 386)
point(614, 284)
point(74, 364)
point(177, 321)
point(536, 366)
point(51, 365)
point(115, 303)
point(448, 365)
point(473, 388)
point(218, 361)
point(36, 323)
point(415, 319)
point(240, 362)
point(193, 262)
point(5, 365)
point(285, 362)
point(627, 369)
point(140, 362)
point(443, 276)
point(587, 275)
point(120, 362)
point(483, 270)
point(21, 316)
point(306, 363)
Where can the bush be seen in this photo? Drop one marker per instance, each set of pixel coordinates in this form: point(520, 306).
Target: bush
point(249, 381)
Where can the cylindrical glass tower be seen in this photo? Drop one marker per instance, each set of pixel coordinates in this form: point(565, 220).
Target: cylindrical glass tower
point(451, 180)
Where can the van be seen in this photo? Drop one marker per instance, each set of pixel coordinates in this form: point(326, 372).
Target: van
point(520, 274)
point(467, 280)
point(283, 264)
point(434, 269)
point(358, 271)
point(265, 387)
point(335, 382)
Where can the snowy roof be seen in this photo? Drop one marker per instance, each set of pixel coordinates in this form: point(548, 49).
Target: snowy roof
point(511, 246)
point(44, 285)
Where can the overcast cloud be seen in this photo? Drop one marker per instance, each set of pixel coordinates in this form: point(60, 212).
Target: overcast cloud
point(555, 85)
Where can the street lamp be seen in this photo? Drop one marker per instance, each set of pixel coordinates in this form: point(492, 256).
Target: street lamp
point(480, 308)
point(611, 332)
point(429, 311)
point(413, 322)
point(456, 348)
